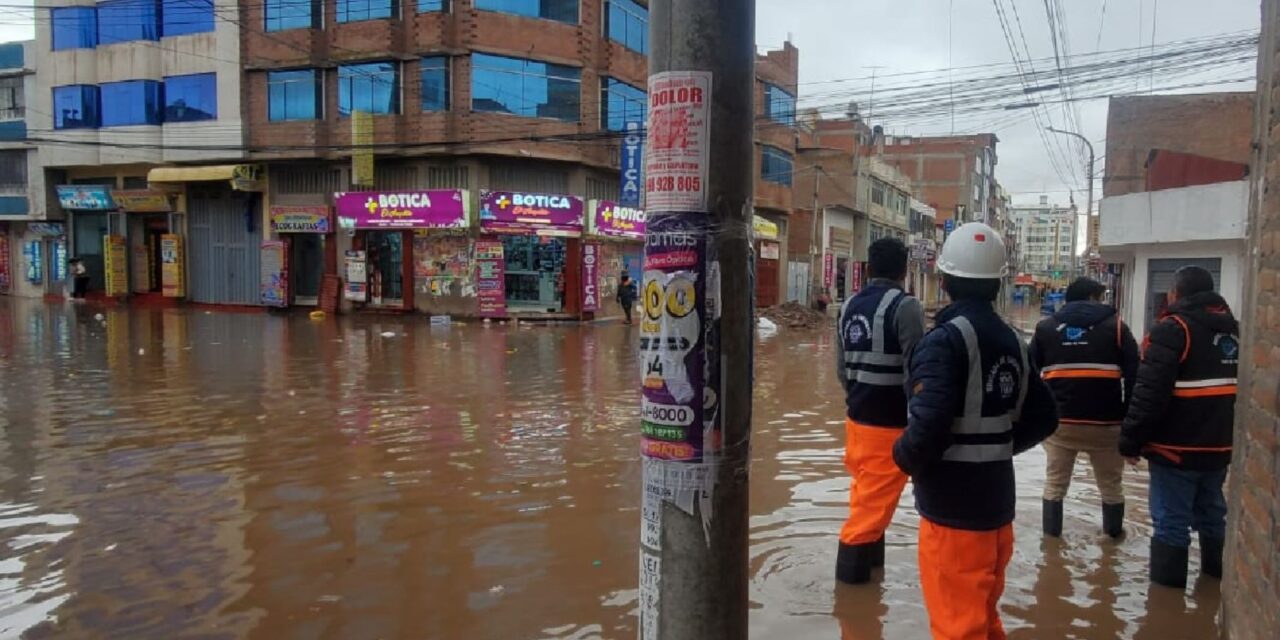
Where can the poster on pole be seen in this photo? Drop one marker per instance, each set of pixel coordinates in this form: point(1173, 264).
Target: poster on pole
point(678, 149)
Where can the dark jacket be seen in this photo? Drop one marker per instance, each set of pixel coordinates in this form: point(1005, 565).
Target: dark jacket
point(1089, 359)
point(875, 329)
point(627, 293)
point(959, 451)
point(1183, 405)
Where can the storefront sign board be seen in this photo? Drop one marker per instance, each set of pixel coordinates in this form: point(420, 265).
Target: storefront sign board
point(615, 220)
point(491, 278)
point(357, 269)
point(516, 212)
point(590, 277)
point(828, 270)
point(58, 261)
point(362, 148)
point(172, 276)
point(115, 254)
point(32, 254)
point(300, 219)
point(142, 201)
point(632, 164)
point(857, 277)
point(5, 276)
point(764, 228)
point(770, 250)
point(675, 169)
point(86, 197)
point(427, 209)
point(273, 284)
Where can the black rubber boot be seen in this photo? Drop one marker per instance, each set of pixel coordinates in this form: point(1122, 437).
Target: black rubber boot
point(1211, 556)
point(1113, 519)
point(877, 555)
point(1168, 565)
point(854, 561)
point(1053, 518)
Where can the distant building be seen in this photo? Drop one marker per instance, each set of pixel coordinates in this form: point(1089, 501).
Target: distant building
point(33, 239)
point(1043, 236)
point(922, 276)
point(953, 174)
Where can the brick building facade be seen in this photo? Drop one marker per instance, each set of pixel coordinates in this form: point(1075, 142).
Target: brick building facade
point(953, 174)
point(1251, 587)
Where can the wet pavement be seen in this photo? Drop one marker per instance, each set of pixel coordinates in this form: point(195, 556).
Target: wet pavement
point(185, 474)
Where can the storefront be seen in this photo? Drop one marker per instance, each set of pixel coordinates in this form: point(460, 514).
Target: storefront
point(541, 247)
point(147, 218)
point(768, 260)
point(380, 269)
point(306, 232)
point(96, 237)
point(617, 233)
point(35, 262)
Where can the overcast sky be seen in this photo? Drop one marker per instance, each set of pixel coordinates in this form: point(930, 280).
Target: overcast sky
point(846, 38)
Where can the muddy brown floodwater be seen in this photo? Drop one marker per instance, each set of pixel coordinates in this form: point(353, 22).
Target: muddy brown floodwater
point(184, 474)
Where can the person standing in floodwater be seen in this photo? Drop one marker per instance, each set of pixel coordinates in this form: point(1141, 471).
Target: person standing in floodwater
point(875, 331)
point(1181, 419)
point(627, 297)
point(974, 403)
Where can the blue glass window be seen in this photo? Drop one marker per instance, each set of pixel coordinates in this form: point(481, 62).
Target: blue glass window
point(357, 10)
point(290, 14)
point(74, 28)
point(180, 17)
point(558, 10)
point(125, 20)
point(373, 87)
point(525, 87)
point(293, 95)
point(435, 83)
point(131, 102)
point(629, 24)
point(75, 107)
point(779, 105)
point(428, 6)
point(191, 98)
point(776, 166)
point(622, 103)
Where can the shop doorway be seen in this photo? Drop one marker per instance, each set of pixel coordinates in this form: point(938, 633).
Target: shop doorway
point(386, 268)
point(306, 262)
point(88, 231)
point(534, 273)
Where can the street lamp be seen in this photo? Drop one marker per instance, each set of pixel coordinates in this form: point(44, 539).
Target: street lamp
point(1088, 211)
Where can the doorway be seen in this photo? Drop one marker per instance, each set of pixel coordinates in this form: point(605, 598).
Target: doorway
point(386, 268)
point(306, 261)
point(534, 272)
point(1160, 281)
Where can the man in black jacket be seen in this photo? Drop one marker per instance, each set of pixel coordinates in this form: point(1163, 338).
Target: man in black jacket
point(1180, 419)
point(1089, 359)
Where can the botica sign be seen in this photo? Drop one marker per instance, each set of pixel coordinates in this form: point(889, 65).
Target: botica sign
point(300, 219)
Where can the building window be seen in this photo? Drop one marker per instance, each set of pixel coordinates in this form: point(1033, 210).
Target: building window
point(282, 15)
point(776, 166)
point(629, 25)
point(13, 169)
point(125, 20)
point(180, 17)
point(74, 28)
point(372, 87)
point(623, 103)
point(12, 100)
point(525, 87)
point(191, 98)
point(434, 79)
point(75, 107)
point(779, 105)
point(432, 6)
point(558, 10)
point(132, 102)
point(877, 192)
point(358, 10)
point(293, 95)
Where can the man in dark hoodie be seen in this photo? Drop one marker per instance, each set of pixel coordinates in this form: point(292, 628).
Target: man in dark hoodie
point(1089, 359)
point(1180, 419)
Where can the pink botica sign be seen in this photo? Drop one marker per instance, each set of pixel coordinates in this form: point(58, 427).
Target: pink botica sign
point(427, 209)
point(616, 221)
point(516, 212)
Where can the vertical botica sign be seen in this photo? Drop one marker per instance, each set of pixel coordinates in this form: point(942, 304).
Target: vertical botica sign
point(680, 426)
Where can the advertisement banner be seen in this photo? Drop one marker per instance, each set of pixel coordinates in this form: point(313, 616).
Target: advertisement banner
point(357, 289)
point(115, 255)
point(142, 201)
point(273, 284)
point(632, 164)
point(5, 277)
point(615, 220)
point(590, 277)
point(362, 148)
point(32, 254)
point(828, 270)
point(491, 269)
point(678, 405)
point(300, 219)
point(427, 209)
point(543, 213)
point(172, 276)
point(675, 167)
point(857, 278)
point(87, 197)
point(58, 260)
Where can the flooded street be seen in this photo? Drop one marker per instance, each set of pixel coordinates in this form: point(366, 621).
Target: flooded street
point(179, 473)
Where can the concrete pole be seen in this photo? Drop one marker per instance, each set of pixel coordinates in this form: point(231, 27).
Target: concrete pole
point(816, 282)
point(694, 528)
point(1089, 210)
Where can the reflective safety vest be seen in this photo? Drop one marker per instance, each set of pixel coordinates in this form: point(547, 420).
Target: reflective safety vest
point(873, 358)
point(1197, 429)
point(993, 398)
point(1081, 365)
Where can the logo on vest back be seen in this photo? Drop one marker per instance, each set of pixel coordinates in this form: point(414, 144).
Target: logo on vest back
point(1003, 377)
point(1074, 336)
point(1229, 346)
point(857, 329)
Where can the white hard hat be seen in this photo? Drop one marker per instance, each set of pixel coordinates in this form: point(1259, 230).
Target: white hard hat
point(974, 250)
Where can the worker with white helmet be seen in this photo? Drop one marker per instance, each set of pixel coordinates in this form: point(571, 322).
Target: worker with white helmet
point(974, 402)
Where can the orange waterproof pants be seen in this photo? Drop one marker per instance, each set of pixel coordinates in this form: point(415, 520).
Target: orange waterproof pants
point(877, 481)
point(962, 576)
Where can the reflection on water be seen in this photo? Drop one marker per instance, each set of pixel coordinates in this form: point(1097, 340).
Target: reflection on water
point(218, 475)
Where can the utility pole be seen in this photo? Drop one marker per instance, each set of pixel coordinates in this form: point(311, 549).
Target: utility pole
point(1089, 207)
point(698, 328)
point(814, 245)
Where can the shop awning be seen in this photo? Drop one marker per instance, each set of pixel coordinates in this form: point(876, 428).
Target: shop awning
point(764, 229)
point(245, 177)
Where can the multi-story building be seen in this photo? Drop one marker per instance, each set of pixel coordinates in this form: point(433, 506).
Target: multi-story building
point(953, 174)
point(1043, 236)
point(922, 277)
point(33, 250)
point(777, 76)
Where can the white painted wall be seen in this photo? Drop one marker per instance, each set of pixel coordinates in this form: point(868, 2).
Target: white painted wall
point(1207, 212)
point(1137, 262)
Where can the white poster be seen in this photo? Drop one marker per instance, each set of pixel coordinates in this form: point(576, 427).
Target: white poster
point(677, 152)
